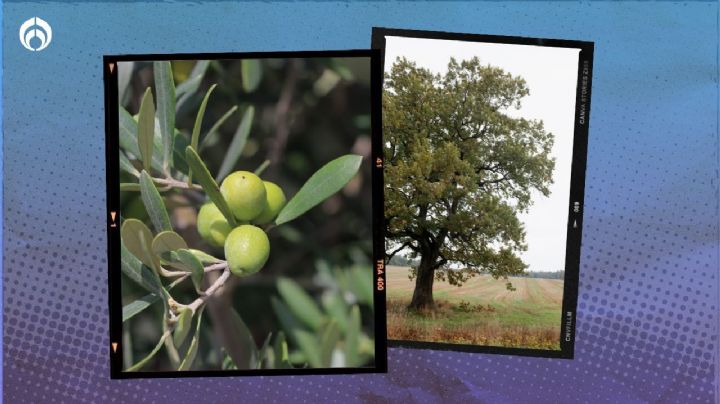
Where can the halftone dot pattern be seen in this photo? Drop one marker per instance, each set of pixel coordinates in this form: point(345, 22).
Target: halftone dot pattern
point(647, 319)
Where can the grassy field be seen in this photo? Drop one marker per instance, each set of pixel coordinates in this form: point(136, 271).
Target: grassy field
point(481, 312)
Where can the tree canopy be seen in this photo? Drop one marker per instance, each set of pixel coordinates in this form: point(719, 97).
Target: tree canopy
point(459, 169)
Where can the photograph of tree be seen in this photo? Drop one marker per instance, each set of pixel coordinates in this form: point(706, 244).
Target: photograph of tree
point(245, 214)
point(478, 141)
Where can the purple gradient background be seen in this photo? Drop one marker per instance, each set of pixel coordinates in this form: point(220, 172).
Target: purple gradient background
point(647, 320)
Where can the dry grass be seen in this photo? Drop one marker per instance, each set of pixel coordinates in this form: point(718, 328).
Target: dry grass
point(482, 312)
point(437, 326)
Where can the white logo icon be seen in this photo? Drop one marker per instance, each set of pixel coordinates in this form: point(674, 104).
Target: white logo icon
point(35, 29)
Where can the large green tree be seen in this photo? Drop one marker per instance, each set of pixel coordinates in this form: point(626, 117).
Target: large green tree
point(459, 168)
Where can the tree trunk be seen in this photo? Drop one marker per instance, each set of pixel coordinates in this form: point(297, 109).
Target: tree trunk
point(423, 294)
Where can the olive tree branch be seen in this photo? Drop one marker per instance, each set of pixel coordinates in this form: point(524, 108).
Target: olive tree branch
point(205, 296)
point(172, 274)
point(176, 281)
point(215, 267)
point(168, 183)
point(183, 274)
point(173, 183)
point(211, 290)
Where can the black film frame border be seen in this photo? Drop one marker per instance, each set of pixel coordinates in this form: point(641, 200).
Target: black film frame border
point(577, 185)
point(112, 148)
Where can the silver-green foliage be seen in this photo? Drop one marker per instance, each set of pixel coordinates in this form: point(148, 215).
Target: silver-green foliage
point(167, 160)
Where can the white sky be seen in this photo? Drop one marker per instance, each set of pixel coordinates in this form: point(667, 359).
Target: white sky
point(551, 77)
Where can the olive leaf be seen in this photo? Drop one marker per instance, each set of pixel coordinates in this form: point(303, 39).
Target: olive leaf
point(352, 338)
point(179, 144)
point(329, 179)
point(128, 132)
point(208, 184)
point(251, 70)
point(134, 269)
point(195, 266)
point(125, 70)
point(204, 257)
point(361, 284)
point(193, 349)
point(135, 307)
point(211, 137)
point(146, 129)
point(310, 346)
point(237, 145)
point(165, 91)
point(280, 352)
point(137, 238)
point(158, 143)
point(198, 123)
point(242, 349)
point(227, 363)
point(199, 118)
point(261, 168)
point(328, 339)
point(335, 306)
point(187, 88)
point(128, 138)
point(152, 353)
point(167, 241)
point(327, 81)
point(129, 187)
point(300, 303)
point(154, 203)
point(340, 68)
point(190, 85)
point(287, 319)
point(263, 351)
point(127, 166)
point(182, 326)
point(170, 348)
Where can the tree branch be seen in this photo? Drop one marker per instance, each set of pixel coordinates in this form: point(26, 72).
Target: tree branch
point(220, 282)
point(440, 263)
point(388, 257)
point(173, 183)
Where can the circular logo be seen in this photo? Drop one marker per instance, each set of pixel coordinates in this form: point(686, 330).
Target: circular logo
point(35, 34)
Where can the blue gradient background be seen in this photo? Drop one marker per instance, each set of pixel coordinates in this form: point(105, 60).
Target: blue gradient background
point(647, 320)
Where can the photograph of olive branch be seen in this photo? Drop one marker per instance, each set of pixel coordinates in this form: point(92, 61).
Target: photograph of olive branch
point(485, 143)
point(240, 214)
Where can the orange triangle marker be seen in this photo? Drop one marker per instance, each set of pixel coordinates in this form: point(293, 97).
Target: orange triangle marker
point(112, 216)
point(112, 66)
point(114, 346)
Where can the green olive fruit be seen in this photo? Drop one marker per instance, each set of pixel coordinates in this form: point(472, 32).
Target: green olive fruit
point(275, 202)
point(247, 248)
point(245, 194)
point(212, 225)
